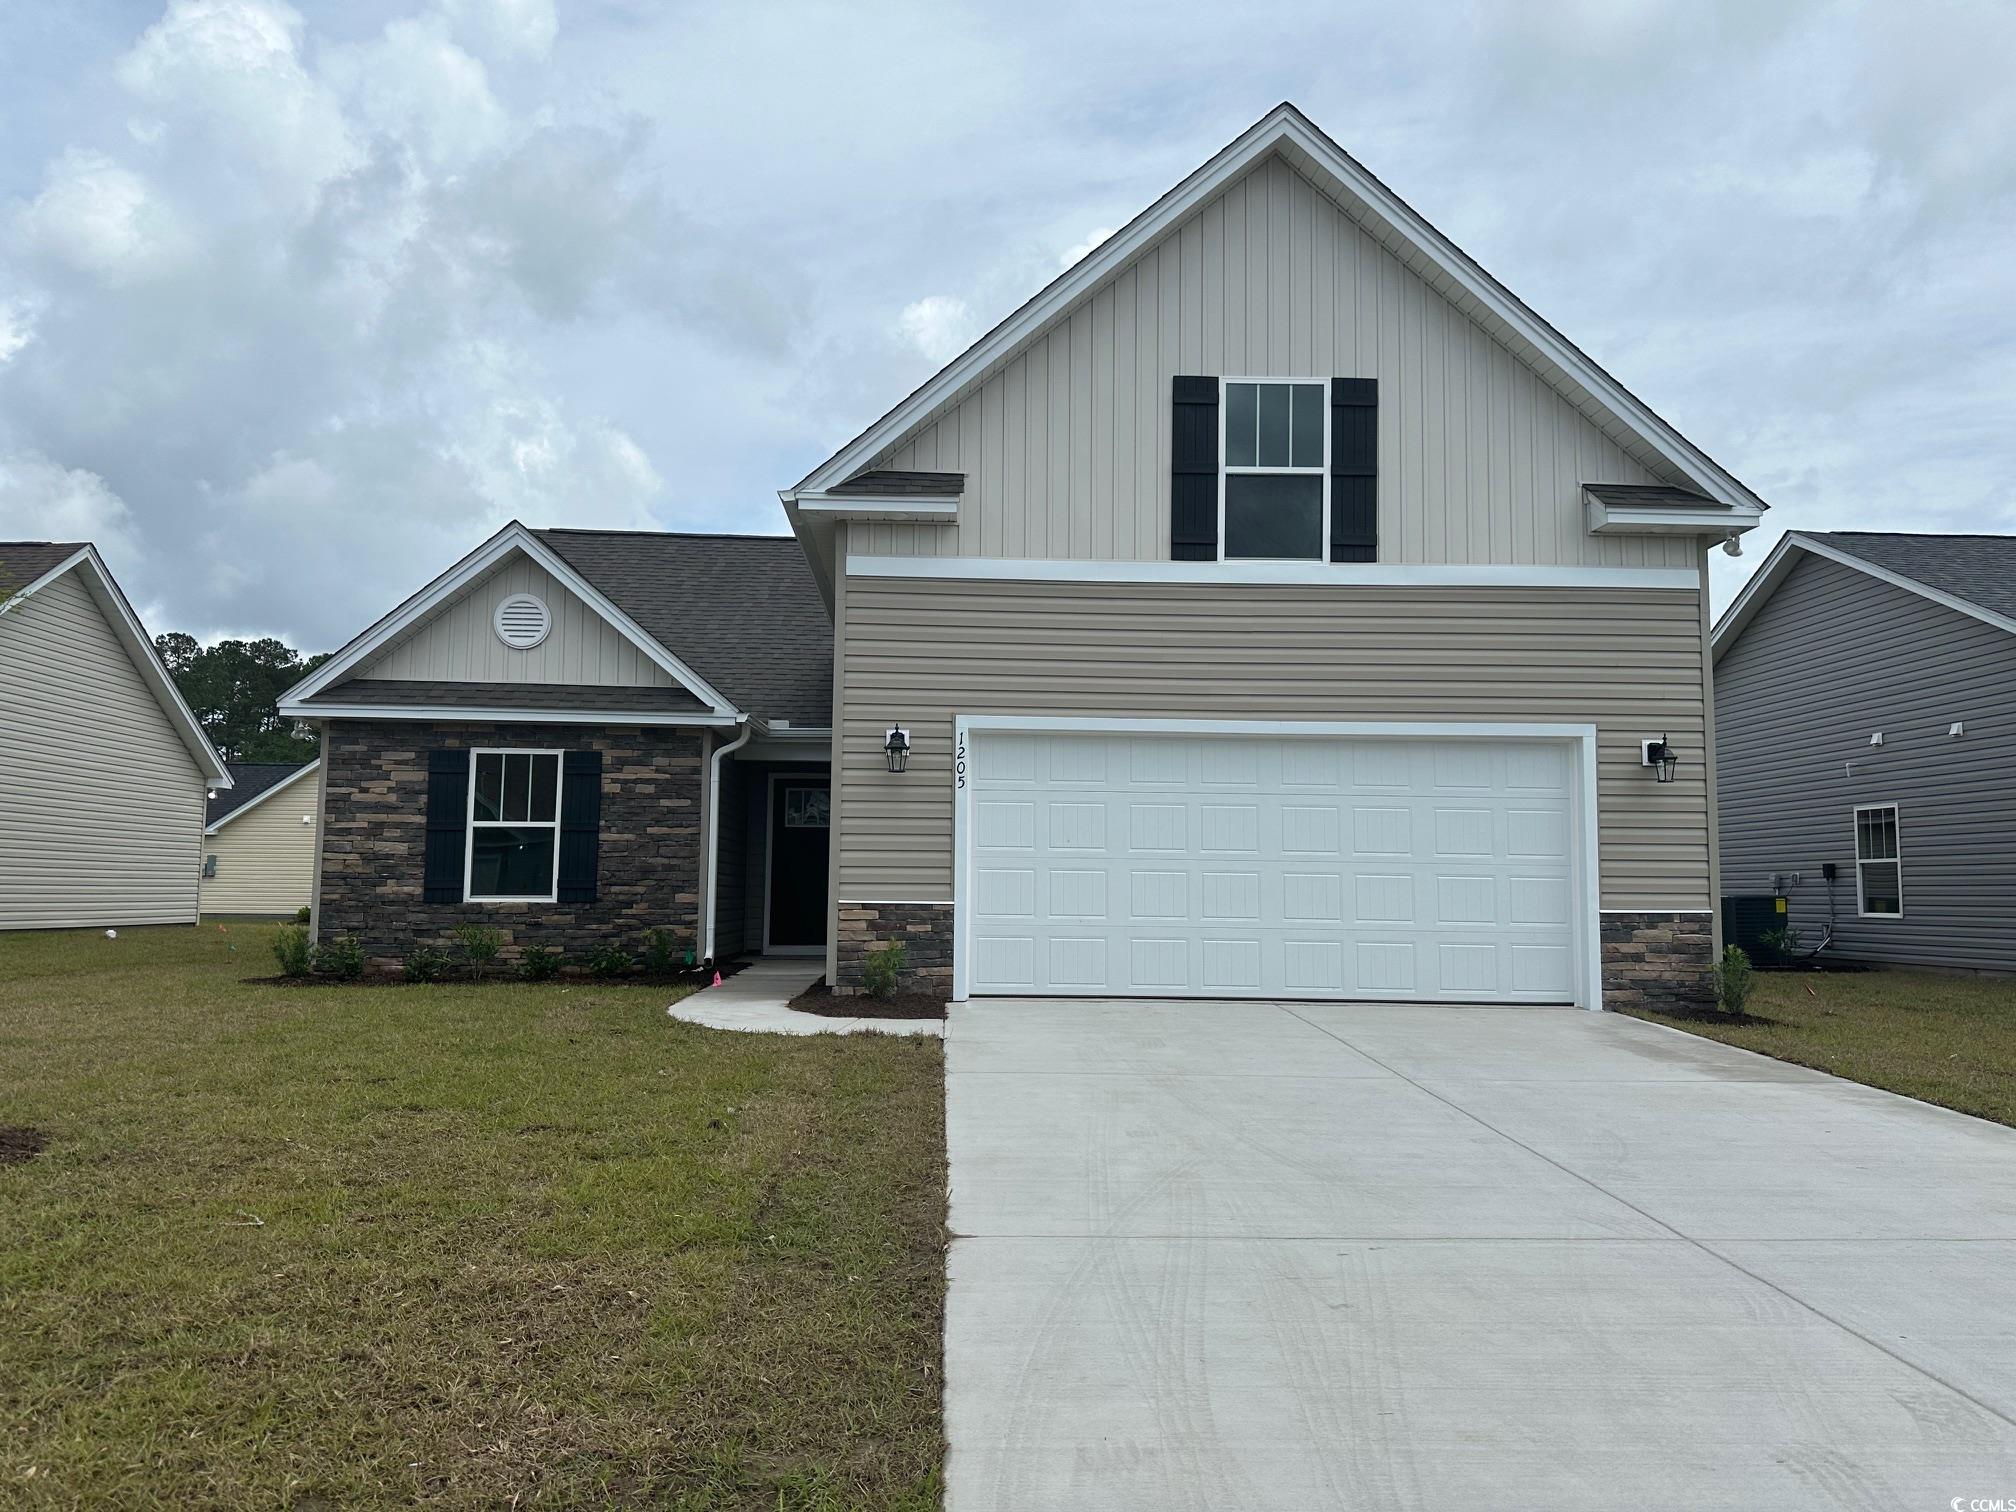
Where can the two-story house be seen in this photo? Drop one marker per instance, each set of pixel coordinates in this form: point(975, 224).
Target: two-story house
point(1274, 606)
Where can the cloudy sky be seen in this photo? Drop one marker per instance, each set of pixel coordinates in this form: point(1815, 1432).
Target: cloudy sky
point(297, 302)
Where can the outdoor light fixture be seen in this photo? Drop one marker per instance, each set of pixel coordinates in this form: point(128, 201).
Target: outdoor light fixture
point(897, 748)
point(1659, 755)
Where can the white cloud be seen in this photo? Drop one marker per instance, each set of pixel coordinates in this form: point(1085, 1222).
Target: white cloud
point(1075, 255)
point(417, 86)
point(509, 28)
point(99, 218)
point(41, 500)
point(940, 326)
point(17, 327)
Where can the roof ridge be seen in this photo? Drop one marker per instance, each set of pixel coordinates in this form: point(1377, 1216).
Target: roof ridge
point(1920, 535)
point(676, 535)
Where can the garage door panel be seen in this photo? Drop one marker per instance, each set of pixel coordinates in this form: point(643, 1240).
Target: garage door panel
point(1171, 865)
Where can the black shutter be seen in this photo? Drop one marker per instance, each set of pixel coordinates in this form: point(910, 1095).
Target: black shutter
point(447, 826)
point(1193, 470)
point(580, 824)
point(1354, 469)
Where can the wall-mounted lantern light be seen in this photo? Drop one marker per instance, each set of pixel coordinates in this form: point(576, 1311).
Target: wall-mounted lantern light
point(897, 748)
point(1660, 756)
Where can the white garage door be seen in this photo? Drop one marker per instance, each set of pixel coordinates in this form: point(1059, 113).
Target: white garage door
point(1237, 866)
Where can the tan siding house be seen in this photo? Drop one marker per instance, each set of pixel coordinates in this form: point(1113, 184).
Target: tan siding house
point(101, 809)
point(259, 847)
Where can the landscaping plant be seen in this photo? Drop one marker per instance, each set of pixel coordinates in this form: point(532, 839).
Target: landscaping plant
point(1733, 980)
point(882, 968)
point(660, 951)
point(341, 959)
point(478, 945)
point(424, 963)
point(292, 950)
point(538, 963)
point(610, 960)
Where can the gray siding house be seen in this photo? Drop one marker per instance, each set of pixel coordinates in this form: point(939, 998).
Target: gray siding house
point(1865, 692)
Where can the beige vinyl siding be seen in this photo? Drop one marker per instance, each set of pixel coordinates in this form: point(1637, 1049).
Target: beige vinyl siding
point(920, 650)
point(101, 803)
point(458, 643)
point(1066, 447)
point(265, 855)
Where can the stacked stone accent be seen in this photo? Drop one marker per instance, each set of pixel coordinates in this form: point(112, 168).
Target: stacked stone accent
point(1660, 961)
point(925, 930)
point(375, 827)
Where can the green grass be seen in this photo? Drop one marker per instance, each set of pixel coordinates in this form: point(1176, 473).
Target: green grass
point(465, 1246)
point(1943, 1039)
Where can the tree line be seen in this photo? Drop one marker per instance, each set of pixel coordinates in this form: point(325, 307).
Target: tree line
point(234, 690)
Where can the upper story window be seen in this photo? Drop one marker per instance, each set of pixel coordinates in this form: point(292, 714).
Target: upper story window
point(1274, 499)
point(1879, 877)
point(514, 826)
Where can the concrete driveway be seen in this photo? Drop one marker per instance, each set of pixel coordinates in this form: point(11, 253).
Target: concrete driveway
point(1238, 1255)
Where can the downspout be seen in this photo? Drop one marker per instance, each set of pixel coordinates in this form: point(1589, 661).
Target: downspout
point(714, 835)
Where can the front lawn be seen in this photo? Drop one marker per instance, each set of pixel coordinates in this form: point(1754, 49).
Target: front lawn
point(470, 1246)
point(1943, 1039)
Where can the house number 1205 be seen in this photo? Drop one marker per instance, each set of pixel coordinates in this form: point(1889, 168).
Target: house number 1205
point(959, 764)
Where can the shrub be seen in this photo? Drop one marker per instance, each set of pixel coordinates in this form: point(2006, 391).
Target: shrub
point(478, 945)
point(883, 967)
point(1780, 945)
point(661, 947)
point(292, 950)
point(341, 958)
point(1733, 979)
point(610, 960)
point(301, 914)
point(424, 963)
point(537, 963)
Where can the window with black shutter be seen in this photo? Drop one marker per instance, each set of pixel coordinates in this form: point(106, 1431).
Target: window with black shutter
point(1354, 469)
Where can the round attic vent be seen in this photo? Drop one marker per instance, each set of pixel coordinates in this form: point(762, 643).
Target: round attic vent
point(522, 621)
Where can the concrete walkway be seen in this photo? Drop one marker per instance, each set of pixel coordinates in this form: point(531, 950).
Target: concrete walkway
point(757, 1000)
point(1292, 1256)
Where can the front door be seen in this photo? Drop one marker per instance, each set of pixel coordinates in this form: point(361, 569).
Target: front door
point(800, 834)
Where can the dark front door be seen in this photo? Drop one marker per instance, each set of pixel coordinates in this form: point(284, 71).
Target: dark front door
point(800, 832)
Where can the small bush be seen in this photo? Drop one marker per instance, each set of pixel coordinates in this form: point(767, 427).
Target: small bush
point(301, 914)
point(292, 950)
point(883, 968)
point(478, 944)
point(341, 959)
point(611, 960)
point(424, 963)
point(1733, 979)
point(1780, 945)
point(661, 951)
point(538, 963)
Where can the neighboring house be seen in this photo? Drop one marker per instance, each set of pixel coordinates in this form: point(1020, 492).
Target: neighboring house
point(103, 769)
point(1273, 606)
point(259, 846)
point(1864, 683)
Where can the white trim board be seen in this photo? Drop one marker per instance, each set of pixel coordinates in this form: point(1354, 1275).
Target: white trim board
point(1588, 923)
point(252, 803)
point(465, 574)
point(293, 708)
point(111, 600)
point(1784, 556)
point(1336, 574)
point(1286, 130)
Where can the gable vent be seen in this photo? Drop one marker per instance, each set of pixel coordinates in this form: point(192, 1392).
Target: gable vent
point(522, 621)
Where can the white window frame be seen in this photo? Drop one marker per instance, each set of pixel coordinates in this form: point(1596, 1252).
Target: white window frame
point(471, 824)
point(1226, 470)
point(1897, 829)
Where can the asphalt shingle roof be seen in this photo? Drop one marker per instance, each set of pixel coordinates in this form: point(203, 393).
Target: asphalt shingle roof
point(885, 482)
point(21, 562)
point(742, 611)
point(248, 780)
point(1651, 496)
point(393, 693)
point(1978, 568)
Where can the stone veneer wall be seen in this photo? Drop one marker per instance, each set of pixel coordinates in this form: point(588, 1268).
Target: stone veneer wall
point(1661, 961)
point(925, 930)
point(375, 825)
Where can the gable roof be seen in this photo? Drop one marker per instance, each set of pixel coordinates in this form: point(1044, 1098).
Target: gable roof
point(742, 610)
point(251, 783)
point(735, 620)
point(27, 567)
point(1284, 130)
point(1974, 575)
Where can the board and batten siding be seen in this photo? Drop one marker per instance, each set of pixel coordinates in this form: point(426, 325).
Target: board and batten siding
point(458, 643)
point(918, 651)
point(265, 856)
point(101, 802)
point(1833, 657)
point(1066, 448)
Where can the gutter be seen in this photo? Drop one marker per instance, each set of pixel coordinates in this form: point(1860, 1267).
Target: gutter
point(714, 836)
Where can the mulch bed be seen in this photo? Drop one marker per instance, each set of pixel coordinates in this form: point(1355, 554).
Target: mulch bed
point(819, 999)
point(507, 975)
point(19, 1145)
